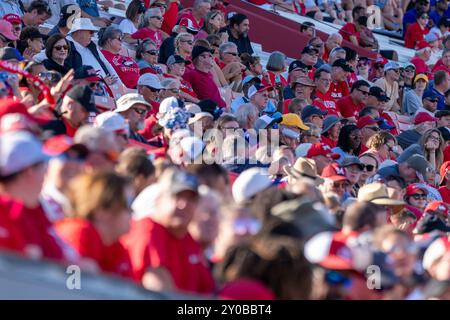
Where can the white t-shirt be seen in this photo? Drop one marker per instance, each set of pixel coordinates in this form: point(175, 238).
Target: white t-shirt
point(127, 26)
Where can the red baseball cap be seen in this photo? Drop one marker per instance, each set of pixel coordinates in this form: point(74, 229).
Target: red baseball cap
point(321, 149)
point(365, 121)
point(188, 24)
point(334, 172)
point(412, 189)
point(246, 289)
point(61, 143)
point(422, 117)
point(443, 171)
point(329, 250)
point(12, 18)
point(6, 29)
point(434, 206)
point(10, 105)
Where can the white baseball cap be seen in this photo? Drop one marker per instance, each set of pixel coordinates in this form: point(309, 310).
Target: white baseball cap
point(125, 102)
point(150, 80)
point(19, 150)
point(82, 24)
point(143, 205)
point(249, 183)
point(435, 251)
point(167, 104)
point(200, 115)
point(112, 121)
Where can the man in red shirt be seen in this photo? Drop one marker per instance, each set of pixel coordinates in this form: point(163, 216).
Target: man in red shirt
point(417, 31)
point(339, 73)
point(333, 41)
point(201, 78)
point(323, 100)
point(152, 29)
point(22, 172)
point(74, 111)
point(350, 106)
point(352, 31)
point(199, 10)
point(443, 63)
point(163, 253)
point(444, 189)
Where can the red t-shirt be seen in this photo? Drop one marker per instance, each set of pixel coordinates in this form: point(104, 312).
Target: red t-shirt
point(184, 85)
point(151, 245)
point(338, 90)
point(85, 239)
point(414, 34)
point(70, 131)
point(126, 68)
point(188, 14)
point(204, 86)
point(273, 79)
point(445, 193)
point(324, 101)
point(349, 29)
point(390, 122)
point(170, 18)
point(11, 237)
point(348, 108)
point(146, 33)
point(328, 142)
point(351, 79)
point(38, 232)
point(149, 124)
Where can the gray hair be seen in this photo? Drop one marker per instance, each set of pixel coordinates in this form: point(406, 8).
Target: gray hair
point(106, 34)
point(181, 36)
point(335, 35)
point(225, 46)
point(276, 61)
point(94, 138)
point(142, 47)
point(145, 18)
point(198, 3)
point(244, 111)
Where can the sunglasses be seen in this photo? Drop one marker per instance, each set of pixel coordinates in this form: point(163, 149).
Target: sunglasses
point(174, 90)
point(59, 48)
point(160, 5)
point(368, 167)
point(232, 53)
point(140, 111)
point(18, 28)
point(152, 52)
point(190, 42)
point(419, 196)
point(119, 38)
point(424, 17)
point(343, 185)
point(366, 93)
point(157, 17)
point(66, 157)
point(379, 66)
point(152, 89)
point(409, 70)
point(49, 76)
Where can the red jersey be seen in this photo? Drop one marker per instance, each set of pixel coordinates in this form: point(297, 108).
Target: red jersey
point(188, 14)
point(275, 79)
point(328, 142)
point(390, 122)
point(38, 233)
point(70, 131)
point(152, 246)
point(348, 30)
point(204, 86)
point(351, 79)
point(127, 69)
point(414, 34)
point(170, 18)
point(85, 239)
point(338, 90)
point(11, 237)
point(147, 33)
point(348, 108)
point(445, 193)
point(324, 101)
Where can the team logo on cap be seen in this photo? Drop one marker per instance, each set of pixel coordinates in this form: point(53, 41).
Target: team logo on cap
point(340, 171)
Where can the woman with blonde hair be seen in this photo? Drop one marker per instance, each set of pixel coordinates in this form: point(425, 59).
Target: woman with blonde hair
point(100, 215)
point(184, 43)
point(383, 146)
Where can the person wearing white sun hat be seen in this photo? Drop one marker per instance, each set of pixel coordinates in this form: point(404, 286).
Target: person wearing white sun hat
point(84, 51)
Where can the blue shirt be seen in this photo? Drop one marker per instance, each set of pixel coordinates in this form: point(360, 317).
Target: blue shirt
point(89, 6)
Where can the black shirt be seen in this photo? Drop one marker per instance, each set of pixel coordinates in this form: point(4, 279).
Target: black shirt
point(243, 43)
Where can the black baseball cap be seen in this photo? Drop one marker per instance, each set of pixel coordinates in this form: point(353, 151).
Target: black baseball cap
point(310, 50)
point(176, 59)
point(378, 93)
point(84, 96)
point(66, 12)
point(86, 73)
point(198, 50)
point(297, 64)
point(342, 64)
point(312, 110)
